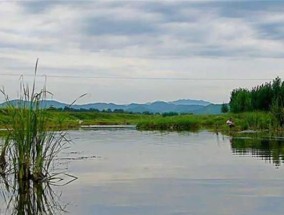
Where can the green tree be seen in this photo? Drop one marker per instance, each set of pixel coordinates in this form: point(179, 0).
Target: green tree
point(240, 100)
point(276, 88)
point(224, 108)
point(262, 97)
point(277, 111)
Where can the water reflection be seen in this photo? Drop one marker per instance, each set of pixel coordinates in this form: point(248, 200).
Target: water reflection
point(131, 172)
point(270, 150)
point(27, 197)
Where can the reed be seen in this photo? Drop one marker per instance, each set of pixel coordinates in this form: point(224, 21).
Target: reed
point(30, 147)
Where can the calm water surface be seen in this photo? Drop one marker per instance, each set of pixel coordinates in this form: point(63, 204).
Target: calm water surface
point(127, 172)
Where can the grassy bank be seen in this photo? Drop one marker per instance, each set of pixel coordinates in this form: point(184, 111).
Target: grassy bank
point(73, 120)
point(243, 121)
point(70, 120)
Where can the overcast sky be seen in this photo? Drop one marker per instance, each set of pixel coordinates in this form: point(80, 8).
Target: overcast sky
point(141, 51)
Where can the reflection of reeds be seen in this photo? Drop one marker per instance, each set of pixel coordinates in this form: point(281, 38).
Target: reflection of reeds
point(33, 197)
point(27, 155)
point(28, 197)
point(29, 146)
point(3, 162)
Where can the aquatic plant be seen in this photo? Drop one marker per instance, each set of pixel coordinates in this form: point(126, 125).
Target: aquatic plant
point(30, 148)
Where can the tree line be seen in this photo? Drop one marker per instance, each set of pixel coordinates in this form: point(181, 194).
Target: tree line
point(265, 97)
point(70, 109)
point(261, 97)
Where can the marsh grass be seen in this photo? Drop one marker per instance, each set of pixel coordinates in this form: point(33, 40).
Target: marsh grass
point(173, 123)
point(257, 121)
point(29, 147)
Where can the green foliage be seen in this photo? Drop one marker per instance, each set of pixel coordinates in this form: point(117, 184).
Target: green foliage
point(170, 114)
point(266, 97)
point(63, 120)
point(277, 111)
point(262, 97)
point(255, 121)
point(224, 108)
point(240, 101)
point(179, 123)
point(185, 123)
point(243, 121)
point(30, 146)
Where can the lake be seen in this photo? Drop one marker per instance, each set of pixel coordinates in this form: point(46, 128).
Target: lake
point(128, 172)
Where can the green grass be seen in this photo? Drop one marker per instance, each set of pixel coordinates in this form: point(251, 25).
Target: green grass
point(71, 120)
point(243, 121)
point(182, 123)
point(173, 123)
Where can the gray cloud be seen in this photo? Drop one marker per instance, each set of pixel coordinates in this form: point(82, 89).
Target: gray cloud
point(160, 29)
point(212, 29)
point(37, 6)
point(109, 26)
point(271, 31)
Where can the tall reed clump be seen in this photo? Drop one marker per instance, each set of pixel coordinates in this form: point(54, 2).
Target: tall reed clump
point(29, 147)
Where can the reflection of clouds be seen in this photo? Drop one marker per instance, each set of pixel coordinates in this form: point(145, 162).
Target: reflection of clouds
point(133, 154)
point(168, 173)
point(163, 174)
point(128, 174)
point(178, 196)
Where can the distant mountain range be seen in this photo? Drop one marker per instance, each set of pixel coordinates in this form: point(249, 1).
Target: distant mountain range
point(179, 106)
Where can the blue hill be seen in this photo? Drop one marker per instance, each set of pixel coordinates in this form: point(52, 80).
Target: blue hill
point(179, 106)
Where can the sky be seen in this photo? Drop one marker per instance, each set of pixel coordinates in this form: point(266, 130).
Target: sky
point(140, 51)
